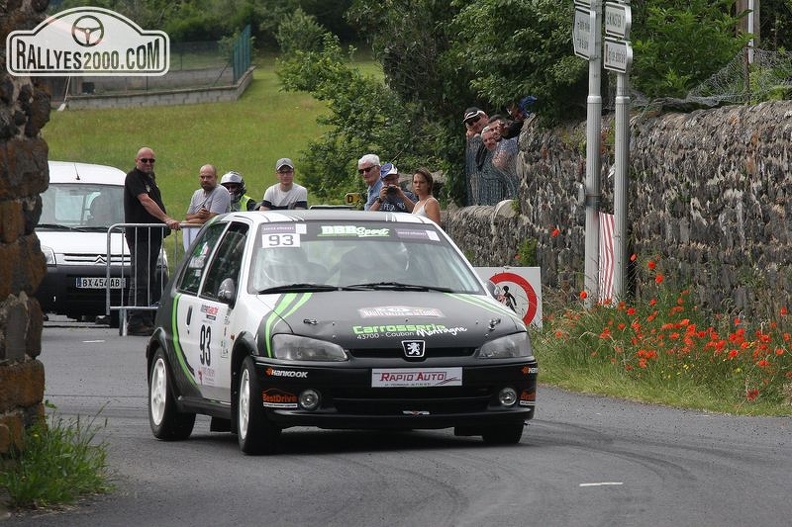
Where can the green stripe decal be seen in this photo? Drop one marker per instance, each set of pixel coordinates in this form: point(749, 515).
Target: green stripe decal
point(481, 302)
point(177, 349)
point(285, 306)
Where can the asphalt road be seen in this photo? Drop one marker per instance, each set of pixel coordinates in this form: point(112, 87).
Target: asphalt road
point(584, 461)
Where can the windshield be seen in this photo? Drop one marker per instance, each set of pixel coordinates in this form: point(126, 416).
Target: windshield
point(358, 256)
point(84, 206)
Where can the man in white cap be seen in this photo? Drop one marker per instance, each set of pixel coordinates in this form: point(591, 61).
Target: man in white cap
point(286, 194)
point(391, 197)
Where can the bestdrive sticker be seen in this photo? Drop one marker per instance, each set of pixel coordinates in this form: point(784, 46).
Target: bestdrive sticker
point(415, 377)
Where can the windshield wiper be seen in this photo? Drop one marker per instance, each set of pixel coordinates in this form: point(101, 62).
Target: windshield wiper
point(54, 227)
point(396, 286)
point(303, 286)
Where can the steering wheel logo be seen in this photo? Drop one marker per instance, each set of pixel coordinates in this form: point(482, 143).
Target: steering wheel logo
point(88, 31)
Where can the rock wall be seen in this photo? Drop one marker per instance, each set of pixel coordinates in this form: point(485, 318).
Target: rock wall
point(709, 200)
point(24, 109)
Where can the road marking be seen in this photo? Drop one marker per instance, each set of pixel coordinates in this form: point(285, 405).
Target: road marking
point(92, 341)
point(603, 484)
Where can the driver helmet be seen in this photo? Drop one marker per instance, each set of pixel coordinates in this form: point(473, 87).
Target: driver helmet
point(234, 178)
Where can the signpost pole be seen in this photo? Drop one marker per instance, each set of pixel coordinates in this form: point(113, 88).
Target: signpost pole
point(621, 185)
point(593, 166)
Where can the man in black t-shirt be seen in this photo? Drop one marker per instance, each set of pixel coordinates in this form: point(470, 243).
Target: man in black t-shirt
point(143, 204)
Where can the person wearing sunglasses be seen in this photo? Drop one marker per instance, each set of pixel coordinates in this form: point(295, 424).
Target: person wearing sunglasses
point(143, 204)
point(369, 168)
point(286, 194)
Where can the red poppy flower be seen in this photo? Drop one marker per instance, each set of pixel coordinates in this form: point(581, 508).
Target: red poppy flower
point(651, 265)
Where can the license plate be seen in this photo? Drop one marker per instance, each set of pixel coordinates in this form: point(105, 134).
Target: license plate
point(100, 283)
point(415, 377)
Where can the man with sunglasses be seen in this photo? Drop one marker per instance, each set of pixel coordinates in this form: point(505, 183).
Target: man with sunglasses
point(369, 168)
point(143, 204)
point(286, 194)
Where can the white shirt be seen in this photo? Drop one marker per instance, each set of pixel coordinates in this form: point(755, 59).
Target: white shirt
point(275, 198)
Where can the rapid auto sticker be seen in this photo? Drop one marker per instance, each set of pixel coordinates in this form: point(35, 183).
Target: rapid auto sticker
point(415, 377)
point(284, 306)
point(189, 373)
point(400, 311)
point(353, 232)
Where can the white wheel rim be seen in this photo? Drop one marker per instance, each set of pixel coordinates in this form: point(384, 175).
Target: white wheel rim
point(159, 391)
point(244, 403)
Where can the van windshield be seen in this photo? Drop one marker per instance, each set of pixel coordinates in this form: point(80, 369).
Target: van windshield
point(82, 206)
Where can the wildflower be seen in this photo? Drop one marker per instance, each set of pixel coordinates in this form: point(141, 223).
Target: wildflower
point(631, 311)
point(784, 311)
point(779, 351)
point(651, 265)
point(751, 394)
point(633, 257)
point(555, 233)
point(733, 353)
point(652, 302)
point(583, 295)
point(764, 363)
point(659, 279)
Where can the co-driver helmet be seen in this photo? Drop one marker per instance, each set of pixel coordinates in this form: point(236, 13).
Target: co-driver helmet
point(234, 178)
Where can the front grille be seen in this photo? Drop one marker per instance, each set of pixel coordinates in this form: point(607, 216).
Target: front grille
point(396, 401)
point(95, 259)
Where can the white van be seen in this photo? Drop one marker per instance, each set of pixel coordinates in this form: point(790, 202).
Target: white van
point(82, 202)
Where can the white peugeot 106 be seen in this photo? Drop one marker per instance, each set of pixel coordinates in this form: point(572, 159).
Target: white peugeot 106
point(334, 319)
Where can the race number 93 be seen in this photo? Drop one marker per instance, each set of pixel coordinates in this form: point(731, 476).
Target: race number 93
point(287, 239)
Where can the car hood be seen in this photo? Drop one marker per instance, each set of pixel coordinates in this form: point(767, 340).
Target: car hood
point(368, 319)
point(75, 242)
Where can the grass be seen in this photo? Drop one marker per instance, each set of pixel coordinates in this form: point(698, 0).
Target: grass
point(62, 461)
point(665, 350)
point(248, 136)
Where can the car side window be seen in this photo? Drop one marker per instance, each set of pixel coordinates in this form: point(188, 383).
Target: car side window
point(199, 259)
point(227, 262)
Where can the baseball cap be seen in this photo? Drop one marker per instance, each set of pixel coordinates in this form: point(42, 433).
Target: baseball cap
point(284, 162)
point(387, 169)
point(471, 113)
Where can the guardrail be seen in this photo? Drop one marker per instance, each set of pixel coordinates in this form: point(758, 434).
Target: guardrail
point(120, 272)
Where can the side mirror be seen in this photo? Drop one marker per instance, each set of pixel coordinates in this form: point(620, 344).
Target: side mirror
point(492, 288)
point(227, 291)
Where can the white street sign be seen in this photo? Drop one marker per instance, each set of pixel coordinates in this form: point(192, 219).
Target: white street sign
point(581, 33)
point(618, 55)
point(586, 4)
point(618, 19)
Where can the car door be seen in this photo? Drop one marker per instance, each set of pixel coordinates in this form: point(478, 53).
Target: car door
point(201, 316)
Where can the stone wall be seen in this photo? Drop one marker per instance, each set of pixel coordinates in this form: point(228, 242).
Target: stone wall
point(709, 199)
point(24, 109)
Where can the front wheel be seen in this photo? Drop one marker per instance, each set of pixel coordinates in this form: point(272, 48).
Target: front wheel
point(509, 434)
point(256, 434)
point(166, 421)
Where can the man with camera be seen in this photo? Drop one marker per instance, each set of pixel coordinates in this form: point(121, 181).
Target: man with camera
point(392, 198)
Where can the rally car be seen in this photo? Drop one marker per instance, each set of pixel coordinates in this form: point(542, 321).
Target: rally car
point(334, 319)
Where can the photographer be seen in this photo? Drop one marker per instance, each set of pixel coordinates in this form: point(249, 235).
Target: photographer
point(392, 198)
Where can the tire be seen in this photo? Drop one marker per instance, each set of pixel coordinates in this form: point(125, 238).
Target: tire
point(508, 434)
point(167, 423)
point(255, 433)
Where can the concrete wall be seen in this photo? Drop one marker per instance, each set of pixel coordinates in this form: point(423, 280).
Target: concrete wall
point(709, 199)
point(164, 97)
point(24, 109)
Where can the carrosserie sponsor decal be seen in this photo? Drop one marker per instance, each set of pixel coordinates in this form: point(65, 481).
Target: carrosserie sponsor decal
point(415, 377)
point(406, 330)
point(353, 232)
point(273, 398)
point(400, 311)
point(293, 374)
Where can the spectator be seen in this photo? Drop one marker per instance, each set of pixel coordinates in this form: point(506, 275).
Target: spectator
point(369, 167)
point(286, 194)
point(391, 197)
point(209, 200)
point(235, 185)
point(474, 120)
point(143, 204)
point(487, 147)
point(427, 206)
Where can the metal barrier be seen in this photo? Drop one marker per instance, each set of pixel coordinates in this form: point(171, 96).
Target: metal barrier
point(122, 293)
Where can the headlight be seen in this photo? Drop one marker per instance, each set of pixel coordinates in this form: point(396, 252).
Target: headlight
point(293, 347)
point(509, 347)
point(49, 255)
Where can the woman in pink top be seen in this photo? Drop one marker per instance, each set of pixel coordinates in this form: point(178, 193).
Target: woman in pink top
point(427, 205)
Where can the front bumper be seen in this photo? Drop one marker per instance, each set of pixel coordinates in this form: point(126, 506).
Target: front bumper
point(348, 399)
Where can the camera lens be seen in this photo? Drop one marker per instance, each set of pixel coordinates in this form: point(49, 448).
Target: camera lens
point(391, 190)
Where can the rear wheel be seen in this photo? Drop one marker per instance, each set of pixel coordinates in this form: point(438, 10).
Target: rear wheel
point(508, 434)
point(256, 434)
point(165, 419)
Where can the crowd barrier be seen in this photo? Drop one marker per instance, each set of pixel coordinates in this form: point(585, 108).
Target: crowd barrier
point(120, 294)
